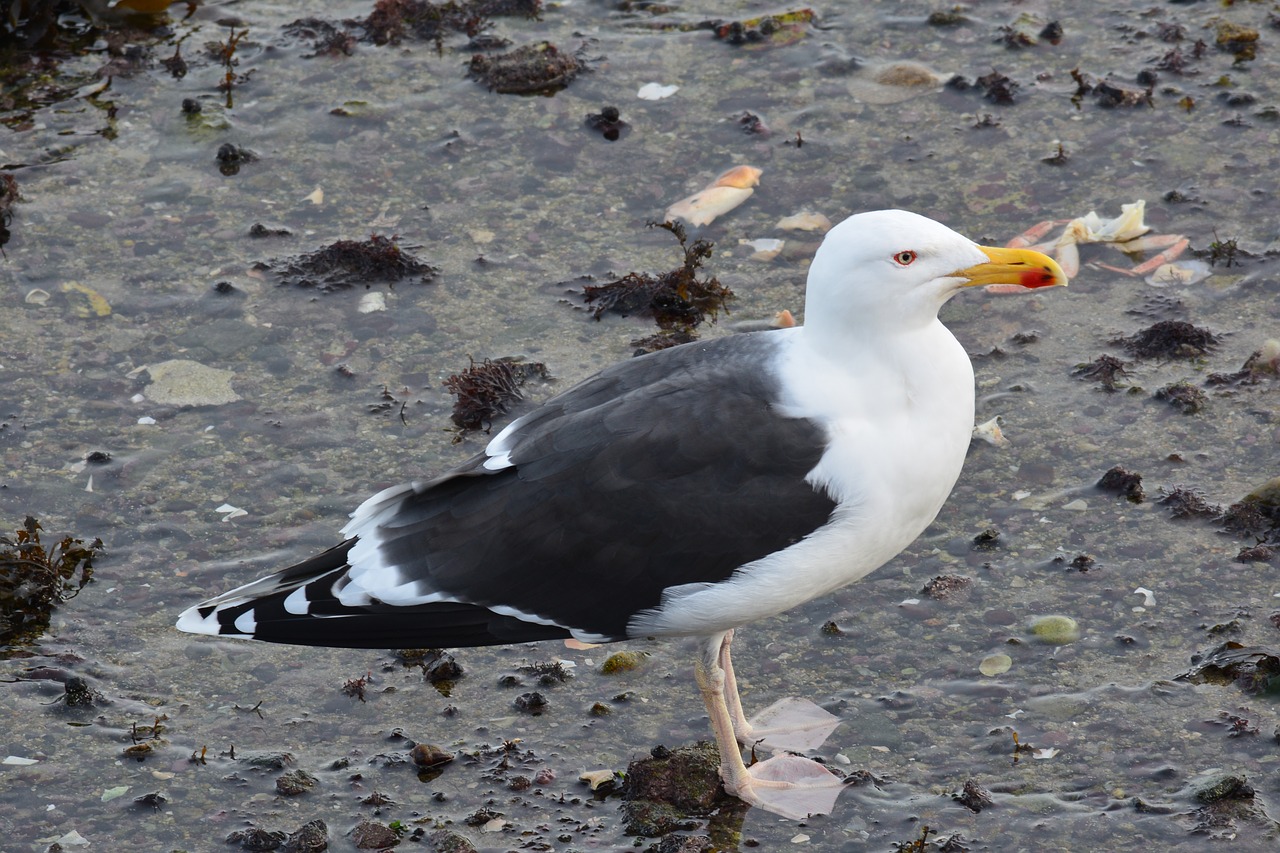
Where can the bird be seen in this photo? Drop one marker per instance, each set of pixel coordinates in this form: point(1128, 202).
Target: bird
point(682, 493)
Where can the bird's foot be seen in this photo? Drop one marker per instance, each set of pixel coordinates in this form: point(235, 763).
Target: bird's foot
point(790, 786)
point(792, 724)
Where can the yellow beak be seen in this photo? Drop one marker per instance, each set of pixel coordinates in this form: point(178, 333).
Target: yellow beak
point(1023, 267)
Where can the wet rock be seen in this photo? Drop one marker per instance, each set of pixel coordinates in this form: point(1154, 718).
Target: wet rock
point(448, 841)
point(267, 760)
point(987, 540)
point(437, 665)
point(1055, 630)
point(77, 693)
point(180, 382)
point(1123, 482)
point(370, 835)
point(683, 844)
point(1111, 94)
point(665, 791)
point(311, 837)
point(973, 796)
point(1238, 40)
point(1227, 803)
point(654, 819)
point(1256, 554)
point(997, 88)
point(622, 662)
point(948, 588)
point(295, 782)
point(255, 839)
point(1250, 668)
point(429, 755)
point(531, 703)
point(151, 800)
point(609, 124)
point(1183, 396)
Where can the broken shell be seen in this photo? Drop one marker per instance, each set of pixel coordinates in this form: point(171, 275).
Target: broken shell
point(1183, 272)
point(894, 82)
point(804, 222)
point(990, 432)
point(37, 296)
point(763, 249)
point(739, 176)
point(598, 779)
point(725, 193)
point(374, 300)
point(656, 92)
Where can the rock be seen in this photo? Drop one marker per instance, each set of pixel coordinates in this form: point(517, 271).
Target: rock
point(295, 782)
point(179, 382)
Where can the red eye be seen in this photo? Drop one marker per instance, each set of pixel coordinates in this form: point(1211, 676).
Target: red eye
point(904, 259)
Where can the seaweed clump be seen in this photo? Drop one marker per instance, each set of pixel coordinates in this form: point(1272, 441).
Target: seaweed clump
point(1186, 502)
point(1105, 368)
point(392, 21)
point(488, 389)
point(532, 69)
point(1170, 339)
point(678, 300)
point(343, 264)
point(35, 579)
point(1183, 396)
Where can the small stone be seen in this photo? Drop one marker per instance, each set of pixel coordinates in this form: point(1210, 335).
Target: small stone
point(530, 703)
point(429, 755)
point(622, 662)
point(1055, 630)
point(295, 782)
point(993, 665)
point(369, 835)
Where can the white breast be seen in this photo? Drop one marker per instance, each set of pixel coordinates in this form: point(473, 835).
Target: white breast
point(898, 415)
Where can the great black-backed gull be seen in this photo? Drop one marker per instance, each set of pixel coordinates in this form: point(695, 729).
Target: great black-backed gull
point(683, 493)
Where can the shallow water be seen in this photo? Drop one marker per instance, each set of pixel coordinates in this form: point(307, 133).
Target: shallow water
point(134, 208)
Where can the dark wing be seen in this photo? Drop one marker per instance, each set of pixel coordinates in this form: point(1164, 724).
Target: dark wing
point(670, 469)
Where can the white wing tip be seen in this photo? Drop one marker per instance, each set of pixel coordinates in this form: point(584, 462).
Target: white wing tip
point(193, 623)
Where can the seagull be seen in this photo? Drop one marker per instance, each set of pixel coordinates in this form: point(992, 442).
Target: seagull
point(683, 493)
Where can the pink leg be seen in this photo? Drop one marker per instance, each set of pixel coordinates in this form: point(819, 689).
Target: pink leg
point(787, 785)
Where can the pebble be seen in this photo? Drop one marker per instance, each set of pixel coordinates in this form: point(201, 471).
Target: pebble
point(181, 382)
point(1055, 630)
point(993, 665)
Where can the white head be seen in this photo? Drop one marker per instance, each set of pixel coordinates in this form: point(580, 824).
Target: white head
point(892, 270)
